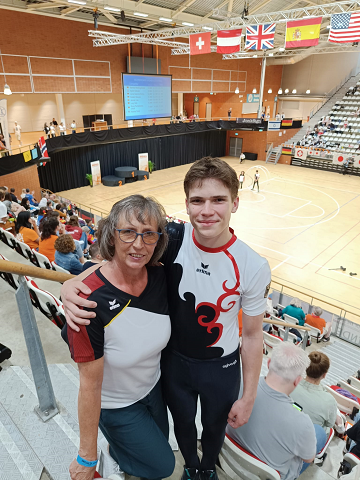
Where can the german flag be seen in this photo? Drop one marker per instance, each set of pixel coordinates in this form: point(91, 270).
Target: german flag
point(286, 122)
point(286, 150)
point(303, 33)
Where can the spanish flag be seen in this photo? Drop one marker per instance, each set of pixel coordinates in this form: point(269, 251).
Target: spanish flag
point(303, 33)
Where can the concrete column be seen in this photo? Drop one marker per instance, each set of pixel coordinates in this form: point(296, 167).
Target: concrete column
point(180, 103)
point(60, 108)
point(262, 81)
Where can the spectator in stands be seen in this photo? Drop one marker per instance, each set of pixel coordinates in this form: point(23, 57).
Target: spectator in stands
point(13, 196)
point(25, 202)
point(75, 230)
point(91, 226)
point(95, 256)
point(60, 212)
point(294, 310)
point(23, 193)
point(65, 254)
point(26, 230)
point(8, 202)
point(277, 433)
point(133, 403)
point(3, 209)
point(316, 402)
point(49, 230)
point(31, 198)
point(314, 319)
point(43, 201)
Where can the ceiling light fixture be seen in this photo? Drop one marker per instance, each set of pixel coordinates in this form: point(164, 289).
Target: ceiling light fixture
point(78, 2)
point(139, 14)
point(237, 90)
point(207, 28)
point(286, 90)
point(187, 24)
point(112, 9)
point(281, 49)
point(307, 91)
point(163, 19)
point(254, 56)
point(254, 90)
point(270, 90)
point(271, 54)
point(280, 91)
point(294, 90)
point(7, 89)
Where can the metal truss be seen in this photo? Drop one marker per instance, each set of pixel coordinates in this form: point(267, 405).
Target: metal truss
point(296, 51)
point(103, 39)
point(276, 17)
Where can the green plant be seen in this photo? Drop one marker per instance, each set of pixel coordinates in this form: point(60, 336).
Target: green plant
point(151, 166)
point(89, 177)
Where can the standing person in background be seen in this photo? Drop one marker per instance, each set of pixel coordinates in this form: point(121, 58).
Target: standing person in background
point(256, 180)
point(46, 130)
point(73, 127)
point(55, 123)
point(242, 157)
point(17, 130)
point(52, 130)
point(62, 129)
point(229, 113)
point(241, 179)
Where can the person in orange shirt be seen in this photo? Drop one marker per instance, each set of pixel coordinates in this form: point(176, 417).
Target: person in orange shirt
point(314, 319)
point(26, 230)
point(49, 228)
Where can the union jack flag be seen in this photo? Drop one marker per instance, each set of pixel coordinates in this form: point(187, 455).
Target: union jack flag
point(43, 147)
point(260, 37)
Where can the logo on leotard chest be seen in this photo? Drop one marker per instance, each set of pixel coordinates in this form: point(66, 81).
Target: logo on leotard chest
point(113, 304)
point(203, 269)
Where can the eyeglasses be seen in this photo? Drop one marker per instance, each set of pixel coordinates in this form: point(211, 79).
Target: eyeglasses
point(129, 236)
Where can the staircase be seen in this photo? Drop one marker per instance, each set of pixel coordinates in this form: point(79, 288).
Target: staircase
point(325, 109)
point(274, 155)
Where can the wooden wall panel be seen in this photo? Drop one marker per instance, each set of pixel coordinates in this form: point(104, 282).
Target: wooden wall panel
point(201, 74)
point(201, 86)
point(184, 73)
point(14, 64)
point(17, 83)
point(181, 86)
point(221, 75)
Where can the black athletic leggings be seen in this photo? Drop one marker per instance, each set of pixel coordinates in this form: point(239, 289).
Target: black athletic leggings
point(217, 383)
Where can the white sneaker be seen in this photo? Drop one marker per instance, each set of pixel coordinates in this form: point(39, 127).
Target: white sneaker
point(107, 466)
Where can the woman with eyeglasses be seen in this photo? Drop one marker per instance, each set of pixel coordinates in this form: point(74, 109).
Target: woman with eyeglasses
point(118, 353)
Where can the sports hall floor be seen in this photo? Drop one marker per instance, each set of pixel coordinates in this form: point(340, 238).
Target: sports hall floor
point(305, 222)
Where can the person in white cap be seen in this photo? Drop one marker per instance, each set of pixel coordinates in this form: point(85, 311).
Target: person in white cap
point(17, 130)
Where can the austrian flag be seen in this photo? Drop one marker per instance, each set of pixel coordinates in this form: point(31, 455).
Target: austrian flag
point(228, 41)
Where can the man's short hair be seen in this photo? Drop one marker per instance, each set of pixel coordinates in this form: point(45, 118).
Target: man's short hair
point(12, 190)
point(318, 311)
point(216, 168)
point(28, 190)
point(94, 249)
point(288, 361)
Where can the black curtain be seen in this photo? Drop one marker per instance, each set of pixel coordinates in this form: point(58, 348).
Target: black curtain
point(68, 168)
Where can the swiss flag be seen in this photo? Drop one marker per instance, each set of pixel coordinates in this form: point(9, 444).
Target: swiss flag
point(200, 43)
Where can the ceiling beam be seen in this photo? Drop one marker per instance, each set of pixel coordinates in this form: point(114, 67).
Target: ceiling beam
point(254, 10)
point(66, 11)
point(221, 5)
point(183, 7)
point(39, 6)
point(108, 15)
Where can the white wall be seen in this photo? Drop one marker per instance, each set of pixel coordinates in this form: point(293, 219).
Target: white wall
point(319, 73)
point(296, 108)
point(31, 111)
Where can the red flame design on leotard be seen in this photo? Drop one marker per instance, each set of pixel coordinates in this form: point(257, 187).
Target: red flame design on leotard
point(218, 308)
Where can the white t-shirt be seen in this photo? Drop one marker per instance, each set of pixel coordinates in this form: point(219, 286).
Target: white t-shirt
point(73, 125)
point(241, 178)
point(257, 176)
point(43, 202)
point(3, 211)
point(62, 128)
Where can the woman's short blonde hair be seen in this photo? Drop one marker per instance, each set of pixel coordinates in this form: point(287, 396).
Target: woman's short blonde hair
point(143, 209)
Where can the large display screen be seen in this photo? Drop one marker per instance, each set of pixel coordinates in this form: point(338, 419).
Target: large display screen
point(146, 96)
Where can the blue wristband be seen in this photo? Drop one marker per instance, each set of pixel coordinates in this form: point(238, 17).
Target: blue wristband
point(86, 463)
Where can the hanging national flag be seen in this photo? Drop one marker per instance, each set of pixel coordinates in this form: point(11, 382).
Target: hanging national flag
point(228, 41)
point(43, 148)
point(260, 37)
point(345, 27)
point(303, 33)
point(200, 43)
